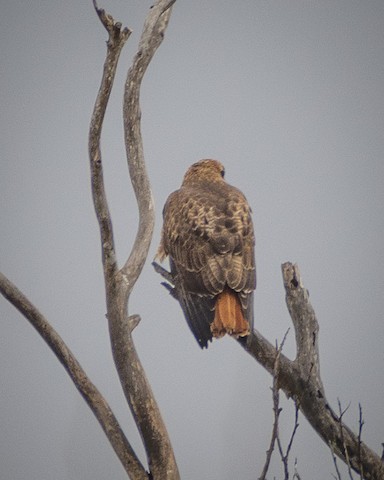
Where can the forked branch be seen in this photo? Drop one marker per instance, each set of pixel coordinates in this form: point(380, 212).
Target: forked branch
point(300, 379)
point(276, 411)
point(120, 282)
point(136, 388)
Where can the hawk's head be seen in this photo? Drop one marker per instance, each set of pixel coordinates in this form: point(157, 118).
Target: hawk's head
point(211, 170)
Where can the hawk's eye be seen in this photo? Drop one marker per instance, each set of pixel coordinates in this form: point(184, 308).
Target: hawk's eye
point(222, 172)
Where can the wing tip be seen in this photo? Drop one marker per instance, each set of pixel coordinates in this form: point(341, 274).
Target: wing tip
point(203, 342)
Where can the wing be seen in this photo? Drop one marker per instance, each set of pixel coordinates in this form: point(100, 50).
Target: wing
point(199, 313)
point(198, 310)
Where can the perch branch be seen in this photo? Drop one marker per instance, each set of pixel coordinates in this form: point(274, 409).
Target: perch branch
point(119, 283)
point(89, 392)
point(300, 378)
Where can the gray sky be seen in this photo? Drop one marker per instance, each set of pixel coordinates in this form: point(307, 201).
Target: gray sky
point(289, 96)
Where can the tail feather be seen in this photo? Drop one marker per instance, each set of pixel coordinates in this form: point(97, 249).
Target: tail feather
point(229, 317)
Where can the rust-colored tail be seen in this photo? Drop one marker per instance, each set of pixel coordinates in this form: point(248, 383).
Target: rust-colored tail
point(229, 317)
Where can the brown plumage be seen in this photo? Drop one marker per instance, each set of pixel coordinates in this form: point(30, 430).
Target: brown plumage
point(208, 235)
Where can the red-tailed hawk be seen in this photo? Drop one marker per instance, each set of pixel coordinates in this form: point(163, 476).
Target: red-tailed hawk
point(208, 236)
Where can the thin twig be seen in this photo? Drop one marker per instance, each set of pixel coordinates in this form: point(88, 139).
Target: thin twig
point(276, 410)
point(296, 473)
point(346, 453)
point(361, 423)
point(276, 413)
point(285, 456)
point(295, 427)
point(331, 448)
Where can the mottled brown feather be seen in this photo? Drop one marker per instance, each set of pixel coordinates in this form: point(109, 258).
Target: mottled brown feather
point(208, 234)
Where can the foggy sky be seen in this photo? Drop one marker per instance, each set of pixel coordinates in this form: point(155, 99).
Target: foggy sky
point(289, 97)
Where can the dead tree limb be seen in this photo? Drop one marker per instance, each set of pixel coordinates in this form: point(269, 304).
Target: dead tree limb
point(300, 379)
point(92, 396)
point(151, 38)
point(89, 392)
point(116, 41)
point(120, 282)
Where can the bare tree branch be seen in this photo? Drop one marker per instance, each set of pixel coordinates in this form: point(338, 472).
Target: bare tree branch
point(300, 379)
point(89, 392)
point(116, 41)
point(285, 456)
point(361, 423)
point(338, 477)
point(151, 38)
point(346, 453)
point(119, 283)
point(296, 474)
point(276, 410)
point(295, 427)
